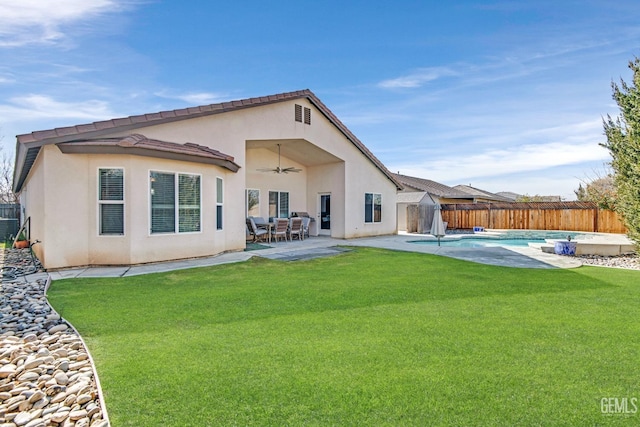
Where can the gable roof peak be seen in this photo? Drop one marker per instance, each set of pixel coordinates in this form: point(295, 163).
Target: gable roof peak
point(68, 133)
point(28, 145)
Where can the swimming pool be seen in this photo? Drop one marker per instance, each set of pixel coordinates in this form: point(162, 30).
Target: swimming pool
point(478, 242)
point(503, 238)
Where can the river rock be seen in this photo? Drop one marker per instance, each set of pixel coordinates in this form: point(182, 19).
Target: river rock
point(41, 357)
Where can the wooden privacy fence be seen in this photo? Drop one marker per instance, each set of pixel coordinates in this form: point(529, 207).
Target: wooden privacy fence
point(570, 216)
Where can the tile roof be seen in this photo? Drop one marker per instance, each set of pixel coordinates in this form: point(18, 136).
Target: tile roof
point(478, 193)
point(28, 145)
point(429, 186)
point(137, 144)
point(509, 195)
point(138, 121)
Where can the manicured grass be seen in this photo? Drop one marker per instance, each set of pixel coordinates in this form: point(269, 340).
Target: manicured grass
point(370, 337)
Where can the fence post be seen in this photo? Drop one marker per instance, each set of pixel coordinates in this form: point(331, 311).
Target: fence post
point(596, 212)
point(455, 215)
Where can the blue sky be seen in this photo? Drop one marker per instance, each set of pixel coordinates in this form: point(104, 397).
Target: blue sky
point(503, 95)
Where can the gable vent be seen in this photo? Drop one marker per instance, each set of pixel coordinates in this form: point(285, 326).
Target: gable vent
point(298, 113)
point(307, 115)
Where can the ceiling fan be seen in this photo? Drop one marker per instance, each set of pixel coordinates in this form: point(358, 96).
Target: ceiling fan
point(279, 169)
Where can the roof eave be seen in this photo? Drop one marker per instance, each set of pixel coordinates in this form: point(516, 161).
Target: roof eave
point(70, 148)
point(25, 157)
point(109, 127)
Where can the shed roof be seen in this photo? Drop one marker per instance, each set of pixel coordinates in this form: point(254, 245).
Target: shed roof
point(411, 197)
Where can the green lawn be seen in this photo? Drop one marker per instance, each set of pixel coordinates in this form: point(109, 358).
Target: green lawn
point(369, 337)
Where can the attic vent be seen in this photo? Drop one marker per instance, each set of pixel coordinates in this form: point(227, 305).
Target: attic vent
point(307, 115)
point(298, 113)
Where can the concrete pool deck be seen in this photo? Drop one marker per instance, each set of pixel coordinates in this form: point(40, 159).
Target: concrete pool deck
point(522, 257)
point(587, 243)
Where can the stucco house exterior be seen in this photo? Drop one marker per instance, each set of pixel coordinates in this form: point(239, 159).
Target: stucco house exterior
point(179, 184)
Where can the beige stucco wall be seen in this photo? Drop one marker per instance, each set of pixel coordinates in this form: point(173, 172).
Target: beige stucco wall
point(294, 183)
point(68, 227)
point(61, 190)
point(352, 175)
point(32, 201)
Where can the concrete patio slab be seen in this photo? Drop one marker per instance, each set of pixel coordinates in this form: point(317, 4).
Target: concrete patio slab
point(520, 257)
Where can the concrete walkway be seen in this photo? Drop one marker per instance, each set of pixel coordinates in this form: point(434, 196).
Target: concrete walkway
point(523, 257)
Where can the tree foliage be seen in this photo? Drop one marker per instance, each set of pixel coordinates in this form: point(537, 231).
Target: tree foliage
point(601, 191)
point(526, 198)
point(7, 195)
point(623, 142)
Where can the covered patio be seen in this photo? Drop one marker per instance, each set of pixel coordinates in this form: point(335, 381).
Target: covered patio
point(288, 178)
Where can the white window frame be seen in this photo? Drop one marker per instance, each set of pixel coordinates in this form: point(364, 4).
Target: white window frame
point(373, 208)
point(219, 204)
point(279, 203)
point(176, 206)
point(246, 201)
point(110, 202)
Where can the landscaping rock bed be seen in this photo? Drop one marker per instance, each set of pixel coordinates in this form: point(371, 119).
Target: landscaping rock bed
point(629, 261)
point(46, 375)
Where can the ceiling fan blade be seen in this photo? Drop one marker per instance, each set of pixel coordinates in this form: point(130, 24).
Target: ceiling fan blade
point(291, 169)
point(278, 169)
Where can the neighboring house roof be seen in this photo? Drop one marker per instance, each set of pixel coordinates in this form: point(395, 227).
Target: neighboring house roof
point(509, 195)
point(515, 197)
point(431, 187)
point(521, 205)
point(481, 194)
point(550, 198)
point(28, 145)
point(140, 145)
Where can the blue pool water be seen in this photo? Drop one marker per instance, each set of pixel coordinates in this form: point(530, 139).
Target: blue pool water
point(507, 238)
point(474, 242)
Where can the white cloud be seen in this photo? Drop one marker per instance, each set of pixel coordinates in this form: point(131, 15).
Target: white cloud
point(482, 158)
point(39, 21)
point(196, 98)
point(417, 78)
point(495, 162)
point(40, 107)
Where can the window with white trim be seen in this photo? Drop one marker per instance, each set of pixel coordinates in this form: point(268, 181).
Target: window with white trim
point(111, 201)
point(252, 202)
point(219, 201)
point(175, 203)
point(279, 204)
point(372, 207)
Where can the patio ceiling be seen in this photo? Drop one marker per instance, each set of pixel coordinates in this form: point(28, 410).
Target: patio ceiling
point(298, 150)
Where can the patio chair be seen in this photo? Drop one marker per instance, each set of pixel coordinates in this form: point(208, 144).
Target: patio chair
point(258, 233)
point(295, 228)
point(280, 228)
point(305, 226)
point(260, 222)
